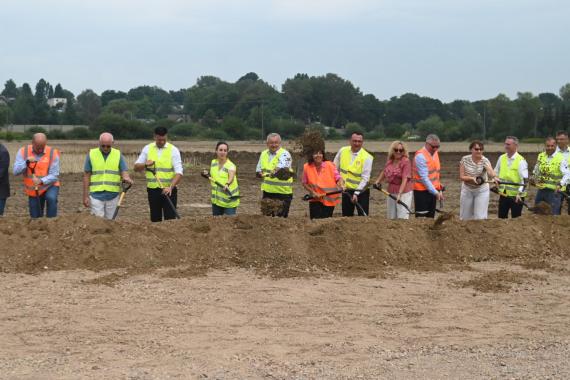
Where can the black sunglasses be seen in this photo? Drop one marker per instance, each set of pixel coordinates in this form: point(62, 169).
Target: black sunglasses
point(434, 146)
point(398, 150)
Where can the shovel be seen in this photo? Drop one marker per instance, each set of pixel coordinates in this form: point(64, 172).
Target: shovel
point(481, 181)
point(153, 171)
point(542, 208)
point(358, 206)
point(205, 174)
point(125, 186)
point(398, 201)
point(308, 197)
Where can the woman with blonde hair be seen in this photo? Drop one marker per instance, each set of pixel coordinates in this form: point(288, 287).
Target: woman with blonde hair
point(398, 172)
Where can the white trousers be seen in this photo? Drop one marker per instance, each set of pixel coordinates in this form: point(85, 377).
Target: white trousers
point(396, 211)
point(473, 203)
point(103, 209)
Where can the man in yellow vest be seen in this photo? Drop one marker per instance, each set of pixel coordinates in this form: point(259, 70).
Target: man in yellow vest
point(355, 165)
point(270, 161)
point(166, 160)
point(550, 175)
point(104, 169)
point(511, 167)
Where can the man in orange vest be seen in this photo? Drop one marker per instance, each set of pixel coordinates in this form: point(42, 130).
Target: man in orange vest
point(39, 164)
point(427, 186)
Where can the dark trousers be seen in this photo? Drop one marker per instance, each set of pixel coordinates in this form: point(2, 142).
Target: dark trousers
point(508, 203)
point(285, 198)
point(565, 199)
point(317, 210)
point(159, 205)
point(348, 206)
point(424, 201)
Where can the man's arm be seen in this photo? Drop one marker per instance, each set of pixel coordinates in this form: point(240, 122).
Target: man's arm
point(565, 173)
point(19, 164)
point(365, 176)
point(523, 173)
point(141, 160)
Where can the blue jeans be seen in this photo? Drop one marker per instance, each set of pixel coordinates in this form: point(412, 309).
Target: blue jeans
point(2, 205)
point(219, 211)
point(551, 197)
point(47, 200)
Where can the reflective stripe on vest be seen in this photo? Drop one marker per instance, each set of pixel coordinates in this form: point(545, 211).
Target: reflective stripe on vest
point(322, 182)
point(550, 173)
point(218, 196)
point(105, 175)
point(434, 170)
point(510, 174)
point(351, 171)
point(41, 169)
point(163, 166)
point(270, 184)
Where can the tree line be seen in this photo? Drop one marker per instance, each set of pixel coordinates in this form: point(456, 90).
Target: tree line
point(250, 107)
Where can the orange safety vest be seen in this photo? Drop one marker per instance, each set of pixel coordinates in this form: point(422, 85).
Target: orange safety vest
point(41, 169)
point(434, 169)
point(323, 182)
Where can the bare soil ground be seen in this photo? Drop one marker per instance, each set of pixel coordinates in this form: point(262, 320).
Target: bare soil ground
point(259, 297)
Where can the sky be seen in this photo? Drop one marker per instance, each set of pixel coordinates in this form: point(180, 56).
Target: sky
point(445, 49)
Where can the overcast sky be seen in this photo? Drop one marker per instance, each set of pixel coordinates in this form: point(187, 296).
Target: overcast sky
point(447, 49)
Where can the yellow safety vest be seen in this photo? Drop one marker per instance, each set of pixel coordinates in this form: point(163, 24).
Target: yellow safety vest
point(105, 174)
point(270, 184)
point(164, 167)
point(351, 172)
point(219, 196)
point(511, 174)
point(550, 173)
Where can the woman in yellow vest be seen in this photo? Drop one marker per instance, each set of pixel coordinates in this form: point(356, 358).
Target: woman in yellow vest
point(319, 178)
point(223, 178)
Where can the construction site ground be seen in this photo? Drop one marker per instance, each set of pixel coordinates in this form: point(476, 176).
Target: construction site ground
point(261, 297)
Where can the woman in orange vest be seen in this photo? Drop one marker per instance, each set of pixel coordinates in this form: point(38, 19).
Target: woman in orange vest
point(320, 177)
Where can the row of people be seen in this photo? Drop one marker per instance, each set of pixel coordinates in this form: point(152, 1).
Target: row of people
point(105, 169)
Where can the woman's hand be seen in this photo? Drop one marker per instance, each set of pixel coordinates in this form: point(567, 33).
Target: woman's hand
point(398, 197)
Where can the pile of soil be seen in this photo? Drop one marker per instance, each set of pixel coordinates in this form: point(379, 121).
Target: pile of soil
point(275, 246)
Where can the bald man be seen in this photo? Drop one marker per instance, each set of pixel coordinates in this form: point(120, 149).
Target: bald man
point(38, 163)
point(105, 168)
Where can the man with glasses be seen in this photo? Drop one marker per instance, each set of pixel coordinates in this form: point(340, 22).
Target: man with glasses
point(426, 175)
point(355, 166)
point(511, 167)
point(104, 169)
point(562, 147)
point(550, 175)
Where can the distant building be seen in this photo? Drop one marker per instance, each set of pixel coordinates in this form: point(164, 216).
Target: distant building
point(57, 102)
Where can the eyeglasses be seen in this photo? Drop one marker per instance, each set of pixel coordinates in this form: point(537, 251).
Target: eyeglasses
point(105, 146)
point(434, 146)
point(398, 150)
point(478, 149)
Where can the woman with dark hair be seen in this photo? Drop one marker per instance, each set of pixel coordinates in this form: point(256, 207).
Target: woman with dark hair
point(475, 170)
point(320, 177)
point(223, 178)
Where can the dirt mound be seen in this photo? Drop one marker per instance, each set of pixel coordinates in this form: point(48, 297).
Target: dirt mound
point(499, 281)
point(275, 246)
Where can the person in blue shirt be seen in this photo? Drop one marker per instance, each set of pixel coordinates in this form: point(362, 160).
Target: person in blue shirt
point(104, 169)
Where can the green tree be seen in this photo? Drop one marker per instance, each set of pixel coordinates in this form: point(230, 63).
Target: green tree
point(88, 106)
point(5, 115)
point(108, 96)
point(58, 92)
point(10, 89)
point(565, 92)
point(502, 115)
point(234, 127)
point(528, 110)
point(432, 124)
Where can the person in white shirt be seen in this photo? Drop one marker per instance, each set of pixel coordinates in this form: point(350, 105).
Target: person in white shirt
point(165, 159)
point(355, 165)
point(511, 167)
point(562, 147)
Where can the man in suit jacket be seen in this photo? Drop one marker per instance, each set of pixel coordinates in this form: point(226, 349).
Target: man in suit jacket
point(4, 177)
